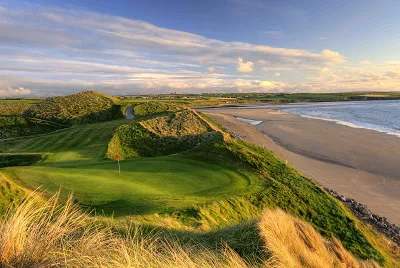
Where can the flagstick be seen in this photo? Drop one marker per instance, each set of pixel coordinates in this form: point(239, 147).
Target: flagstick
point(119, 167)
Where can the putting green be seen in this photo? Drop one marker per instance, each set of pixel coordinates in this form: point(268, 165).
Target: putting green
point(145, 185)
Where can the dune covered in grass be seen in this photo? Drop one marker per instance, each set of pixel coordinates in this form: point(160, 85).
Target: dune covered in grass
point(80, 108)
point(41, 233)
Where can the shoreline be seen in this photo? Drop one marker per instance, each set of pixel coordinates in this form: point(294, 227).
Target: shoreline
point(275, 107)
point(344, 123)
point(353, 161)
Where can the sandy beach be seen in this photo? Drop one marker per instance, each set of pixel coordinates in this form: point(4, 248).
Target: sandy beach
point(358, 163)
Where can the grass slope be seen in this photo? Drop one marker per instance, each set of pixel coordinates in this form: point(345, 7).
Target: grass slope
point(87, 143)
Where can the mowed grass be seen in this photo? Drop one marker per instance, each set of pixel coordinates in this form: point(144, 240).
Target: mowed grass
point(145, 185)
point(67, 146)
point(74, 162)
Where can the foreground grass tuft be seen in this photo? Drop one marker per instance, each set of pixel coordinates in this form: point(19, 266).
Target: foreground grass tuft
point(295, 243)
point(46, 234)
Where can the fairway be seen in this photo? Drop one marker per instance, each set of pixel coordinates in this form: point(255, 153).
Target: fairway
point(144, 186)
point(86, 143)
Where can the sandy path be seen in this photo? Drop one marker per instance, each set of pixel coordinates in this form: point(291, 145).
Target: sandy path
point(343, 168)
point(129, 113)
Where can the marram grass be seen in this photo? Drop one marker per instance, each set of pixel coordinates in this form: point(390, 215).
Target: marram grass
point(41, 233)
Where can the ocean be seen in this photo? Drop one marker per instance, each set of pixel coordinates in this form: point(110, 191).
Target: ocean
point(380, 115)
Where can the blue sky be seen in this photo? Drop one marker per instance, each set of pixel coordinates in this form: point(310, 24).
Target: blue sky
point(142, 47)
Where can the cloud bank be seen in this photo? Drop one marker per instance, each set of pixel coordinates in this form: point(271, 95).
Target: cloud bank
point(53, 51)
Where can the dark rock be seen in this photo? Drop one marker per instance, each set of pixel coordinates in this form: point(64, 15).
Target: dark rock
point(363, 213)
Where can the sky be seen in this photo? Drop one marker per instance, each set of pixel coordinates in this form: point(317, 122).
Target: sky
point(128, 47)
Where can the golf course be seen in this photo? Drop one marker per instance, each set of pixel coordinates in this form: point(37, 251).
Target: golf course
point(179, 171)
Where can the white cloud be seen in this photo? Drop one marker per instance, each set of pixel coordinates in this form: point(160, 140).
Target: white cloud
point(391, 63)
point(277, 74)
point(244, 67)
point(267, 84)
point(332, 56)
point(365, 62)
point(275, 68)
point(212, 69)
point(7, 91)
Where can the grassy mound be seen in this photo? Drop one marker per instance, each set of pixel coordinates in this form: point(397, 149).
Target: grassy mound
point(80, 108)
point(160, 135)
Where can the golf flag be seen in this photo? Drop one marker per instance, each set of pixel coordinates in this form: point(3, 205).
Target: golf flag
point(116, 156)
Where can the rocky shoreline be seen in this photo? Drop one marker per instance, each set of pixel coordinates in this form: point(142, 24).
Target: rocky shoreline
point(362, 212)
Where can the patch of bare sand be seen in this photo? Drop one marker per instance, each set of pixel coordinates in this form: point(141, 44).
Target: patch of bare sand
point(357, 163)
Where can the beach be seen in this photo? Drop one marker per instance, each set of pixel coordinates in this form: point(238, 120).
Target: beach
point(357, 163)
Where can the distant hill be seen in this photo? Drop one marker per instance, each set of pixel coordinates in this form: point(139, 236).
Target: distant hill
point(80, 108)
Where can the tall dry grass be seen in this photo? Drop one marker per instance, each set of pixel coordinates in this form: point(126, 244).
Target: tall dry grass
point(295, 243)
point(46, 234)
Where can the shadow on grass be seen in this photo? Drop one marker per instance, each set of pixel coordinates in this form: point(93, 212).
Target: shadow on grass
point(243, 238)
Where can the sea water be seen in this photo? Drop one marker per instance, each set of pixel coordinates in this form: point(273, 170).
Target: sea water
point(379, 115)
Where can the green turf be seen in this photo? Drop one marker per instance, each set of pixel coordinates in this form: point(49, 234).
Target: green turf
point(81, 143)
point(140, 187)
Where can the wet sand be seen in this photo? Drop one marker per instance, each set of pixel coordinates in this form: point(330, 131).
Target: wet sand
point(358, 163)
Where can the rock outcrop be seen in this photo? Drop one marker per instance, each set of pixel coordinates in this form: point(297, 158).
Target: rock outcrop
point(362, 212)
